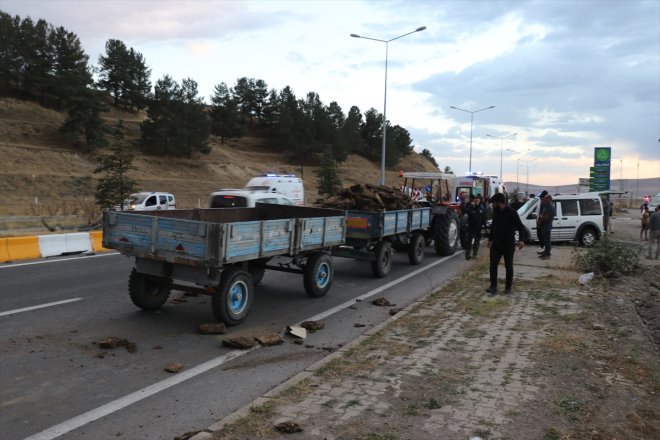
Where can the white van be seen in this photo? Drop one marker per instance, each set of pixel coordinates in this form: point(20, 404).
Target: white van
point(151, 201)
point(578, 217)
point(286, 184)
point(241, 198)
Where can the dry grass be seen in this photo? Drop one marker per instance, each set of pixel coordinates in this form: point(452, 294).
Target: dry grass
point(30, 146)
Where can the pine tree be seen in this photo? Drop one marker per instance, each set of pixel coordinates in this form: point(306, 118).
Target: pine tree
point(84, 119)
point(115, 186)
point(327, 174)
point(427, 154)
point(177, 122)
point(124, 74)
point(225, 119)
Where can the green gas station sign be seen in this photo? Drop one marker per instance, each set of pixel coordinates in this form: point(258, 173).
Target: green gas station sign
point(599, 174)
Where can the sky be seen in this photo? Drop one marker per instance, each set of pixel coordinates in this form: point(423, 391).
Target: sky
point(565, 75)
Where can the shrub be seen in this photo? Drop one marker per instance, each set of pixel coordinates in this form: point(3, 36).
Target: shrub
point(607, 256)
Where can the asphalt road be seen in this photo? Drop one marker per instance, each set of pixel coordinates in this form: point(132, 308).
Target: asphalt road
point(55, 382)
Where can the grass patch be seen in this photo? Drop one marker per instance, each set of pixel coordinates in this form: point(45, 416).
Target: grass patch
point(479, 306)
point(564, 342)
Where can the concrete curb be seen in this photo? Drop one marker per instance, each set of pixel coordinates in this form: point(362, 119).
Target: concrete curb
point(305, 374)
point(42, 246)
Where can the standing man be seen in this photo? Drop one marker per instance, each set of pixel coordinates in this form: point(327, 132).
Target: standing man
point(538, 230)
point(654, 227)
point(502, 241)
point(546, 216)
point(476, 219)
point(516, 203)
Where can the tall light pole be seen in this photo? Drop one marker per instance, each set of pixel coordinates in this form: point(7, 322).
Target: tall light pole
point(387, 45)
point(527, 165)
point(471, 112)
point(501, 138)
point(518, 153)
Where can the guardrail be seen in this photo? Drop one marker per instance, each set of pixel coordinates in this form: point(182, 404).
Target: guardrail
point(41, 246)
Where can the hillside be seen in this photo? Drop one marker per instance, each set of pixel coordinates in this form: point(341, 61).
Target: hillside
point(37, 163)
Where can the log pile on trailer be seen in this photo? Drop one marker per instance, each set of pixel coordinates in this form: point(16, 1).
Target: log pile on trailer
point(368, 198)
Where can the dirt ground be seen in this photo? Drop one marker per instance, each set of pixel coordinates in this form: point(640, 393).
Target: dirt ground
point(554, 360)
point(36, 163)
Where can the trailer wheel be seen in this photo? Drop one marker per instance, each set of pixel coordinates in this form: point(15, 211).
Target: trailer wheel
point(148, 293)
point(383, 263)
point(446, 228)
point(257, 270)
point(232, 301)
point(318, 274)
point(416, 248)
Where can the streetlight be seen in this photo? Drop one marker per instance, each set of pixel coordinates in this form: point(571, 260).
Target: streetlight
point(501, 150)
point(518, 153)
point(527, 165)
point(471, 121)
point(387, 44)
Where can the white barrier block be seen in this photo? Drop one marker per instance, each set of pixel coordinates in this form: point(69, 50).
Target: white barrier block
point(51, 245)
point(78, 242)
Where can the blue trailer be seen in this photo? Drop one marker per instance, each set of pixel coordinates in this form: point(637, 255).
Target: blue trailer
point(224, 252)
point(374, 236)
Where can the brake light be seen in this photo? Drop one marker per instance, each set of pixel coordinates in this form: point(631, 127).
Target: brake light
point(228, 197)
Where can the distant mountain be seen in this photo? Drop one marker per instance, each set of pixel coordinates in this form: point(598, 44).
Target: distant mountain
point(631, 187)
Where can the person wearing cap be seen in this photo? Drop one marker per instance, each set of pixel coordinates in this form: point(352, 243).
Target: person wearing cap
point(502, 241)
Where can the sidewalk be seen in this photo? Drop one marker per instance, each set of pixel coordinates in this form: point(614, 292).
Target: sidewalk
point(455, 365)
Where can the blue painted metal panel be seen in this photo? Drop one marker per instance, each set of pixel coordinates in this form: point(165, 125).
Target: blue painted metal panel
point(181, 238)
point(131, 229)
point(242, 240)
point(363, 225)
point(402, 221)
point(277, 237)
point(334, 231)
point(313, 231)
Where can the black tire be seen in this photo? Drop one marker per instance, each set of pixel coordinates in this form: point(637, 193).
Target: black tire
point(416, 248)
point(381, 266)
point(318, 274)
point(232, 301)
point(146, 292)
point(257, 271)
point(588, 237)
point(447, 229)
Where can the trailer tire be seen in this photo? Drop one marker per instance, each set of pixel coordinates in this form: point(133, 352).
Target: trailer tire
point(232, 301)
point(416, 248)
point(381, 266)
point(146, 292)
point(318, 274)
point(257, 271)
point(446, 229)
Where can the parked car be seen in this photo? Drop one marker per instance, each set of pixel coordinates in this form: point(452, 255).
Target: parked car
point(242, 198)
point(655, 201)
point(578, 217)
point(151, 201)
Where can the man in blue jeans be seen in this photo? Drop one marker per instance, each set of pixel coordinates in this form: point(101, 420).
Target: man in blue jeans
point(502, 241)
point(544, 225)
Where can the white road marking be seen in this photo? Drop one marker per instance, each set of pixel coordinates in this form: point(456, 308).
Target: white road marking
point(9, 265)
point(41, 306)
point(375, 291)
point(121, 403)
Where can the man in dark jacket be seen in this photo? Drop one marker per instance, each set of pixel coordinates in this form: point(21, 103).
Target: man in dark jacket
point(476, 219)
point(502, 241)
point(544, 225)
